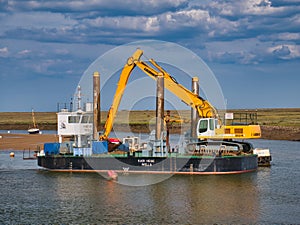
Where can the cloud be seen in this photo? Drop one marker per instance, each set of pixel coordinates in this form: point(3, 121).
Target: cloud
point(241, 8)
point(251, 51)
point(191, 23)
point(286, 51)
point(24, 52)
point(250, 7)
point(282, 51)
point(285, 36)
point(240, 57)
point(4, 52)
point(58, 39)
point(92, 8)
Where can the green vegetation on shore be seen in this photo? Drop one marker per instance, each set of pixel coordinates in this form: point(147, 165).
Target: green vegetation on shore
point(279, 117)
point(23, 120)
point(280, 124)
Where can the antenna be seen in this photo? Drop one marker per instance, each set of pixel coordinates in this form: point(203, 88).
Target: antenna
point(79, 98)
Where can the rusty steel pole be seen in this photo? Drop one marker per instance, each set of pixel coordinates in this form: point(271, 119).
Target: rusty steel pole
point(159, 108)
point(194, 113)
point(96, 104)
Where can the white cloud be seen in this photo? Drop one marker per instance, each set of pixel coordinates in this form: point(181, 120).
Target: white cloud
point(257, 7)
point(285, 36)
point(194, 20)
point(194, 14)
point(24, 52)
point(4, 52)
point(152, 24)
point(250, 51)
point(285, 51)
point(249, 7)
point(121, 24)
point(193, 23)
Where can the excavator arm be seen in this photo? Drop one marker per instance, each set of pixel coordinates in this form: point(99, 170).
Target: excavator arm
point(125, 74)
point(204, 108)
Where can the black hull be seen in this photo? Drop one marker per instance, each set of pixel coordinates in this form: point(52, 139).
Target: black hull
point(176, 165)
point(33, 131)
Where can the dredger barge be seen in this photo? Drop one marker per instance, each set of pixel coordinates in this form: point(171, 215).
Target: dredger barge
point(210, 147)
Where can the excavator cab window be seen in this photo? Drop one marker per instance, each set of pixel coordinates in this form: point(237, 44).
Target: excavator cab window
point(203, 125)
point(211, 124)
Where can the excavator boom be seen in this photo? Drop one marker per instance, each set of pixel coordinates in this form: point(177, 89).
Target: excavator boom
point(129, 66)
point(204, 108)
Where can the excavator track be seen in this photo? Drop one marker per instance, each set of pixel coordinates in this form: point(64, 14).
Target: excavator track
point(219, 147)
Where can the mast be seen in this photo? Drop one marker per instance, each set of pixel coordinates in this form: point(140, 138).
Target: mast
point(33, 119)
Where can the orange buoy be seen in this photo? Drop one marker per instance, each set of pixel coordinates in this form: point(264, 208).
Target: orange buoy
point(12, 154)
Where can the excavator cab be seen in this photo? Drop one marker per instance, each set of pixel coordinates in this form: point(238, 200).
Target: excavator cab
point(206, 127)
point(210, 128)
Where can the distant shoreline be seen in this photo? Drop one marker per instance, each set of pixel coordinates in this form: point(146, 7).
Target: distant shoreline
point(276, 124)
point(268, 132)
point(36, 141)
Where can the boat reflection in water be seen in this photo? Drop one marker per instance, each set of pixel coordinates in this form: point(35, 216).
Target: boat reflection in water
point(177, 200)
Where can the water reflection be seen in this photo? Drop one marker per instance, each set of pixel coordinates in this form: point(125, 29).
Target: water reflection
point(180, 199)
point(268, 196)
point(208, 199)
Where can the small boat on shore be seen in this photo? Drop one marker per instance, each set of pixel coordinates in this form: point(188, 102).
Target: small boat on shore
point(34, 129)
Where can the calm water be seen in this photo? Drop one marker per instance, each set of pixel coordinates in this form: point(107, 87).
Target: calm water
point(30, 195)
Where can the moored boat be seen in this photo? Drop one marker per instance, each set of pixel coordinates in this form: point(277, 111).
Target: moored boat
point(82, 154)
point(34, 129)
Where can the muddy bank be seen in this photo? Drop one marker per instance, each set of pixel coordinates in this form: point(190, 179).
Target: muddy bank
point(25, 141)
point(280, 133)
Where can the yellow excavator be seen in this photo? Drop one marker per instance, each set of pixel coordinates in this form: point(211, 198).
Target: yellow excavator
point(209, 128)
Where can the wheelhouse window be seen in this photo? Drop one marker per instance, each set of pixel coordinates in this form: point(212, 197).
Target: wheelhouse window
point(86, 119)
point(73, 119)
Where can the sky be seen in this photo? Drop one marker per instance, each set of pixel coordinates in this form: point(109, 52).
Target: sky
point(252, 46)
